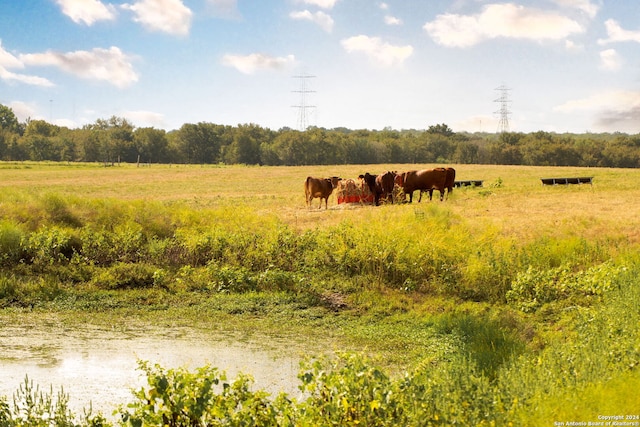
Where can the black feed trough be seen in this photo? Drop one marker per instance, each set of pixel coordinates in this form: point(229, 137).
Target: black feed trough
point(566, 181)
point(474, 183)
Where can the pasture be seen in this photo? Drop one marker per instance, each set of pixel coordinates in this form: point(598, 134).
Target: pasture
point(512, 197)
point(517, 302)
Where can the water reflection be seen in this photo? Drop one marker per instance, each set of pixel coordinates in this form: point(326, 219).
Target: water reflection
point(99, 366)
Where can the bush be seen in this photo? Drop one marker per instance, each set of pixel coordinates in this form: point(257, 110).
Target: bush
point(53, 245)
point(31, 407)
point(535, 287)
point(125, 243)
point(11, 237)
point(57, 211)
point(176, 397)
point(232, 279)
point(129, 276)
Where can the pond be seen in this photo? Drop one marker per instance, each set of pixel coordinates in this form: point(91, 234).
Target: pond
point(98, 365)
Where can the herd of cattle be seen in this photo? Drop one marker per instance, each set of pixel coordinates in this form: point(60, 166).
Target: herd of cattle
point(374, 188)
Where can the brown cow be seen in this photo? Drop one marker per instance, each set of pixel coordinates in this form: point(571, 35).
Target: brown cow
point(423, 180)
point(451, 180)
point(380, 185)
point(319, 187)
point(386, 182)
point(449, 184)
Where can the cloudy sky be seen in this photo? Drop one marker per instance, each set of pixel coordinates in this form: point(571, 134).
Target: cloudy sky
point(569, 65)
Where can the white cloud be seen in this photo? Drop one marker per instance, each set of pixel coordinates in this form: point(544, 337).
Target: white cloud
point(144, 118)
point(611, 110)
point(384, 6)
point(249, 64)
point(610, 60)
point(25, 111)
point(392, 20)
point(324, 4)
point(617, 34)
point(571, 46)
point(320, 18)
point(381, 52)
point(86, 11)
point(22, 110)
point(500, 20)
point(586, 6)
point(7, 60)
point(110, 65)
point(169, 16)
point(24, 78)
point(225, 8)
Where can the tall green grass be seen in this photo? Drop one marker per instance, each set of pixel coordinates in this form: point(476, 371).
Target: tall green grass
point(427, 249)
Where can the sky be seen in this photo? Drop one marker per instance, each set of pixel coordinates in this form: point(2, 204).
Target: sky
point(550, 65)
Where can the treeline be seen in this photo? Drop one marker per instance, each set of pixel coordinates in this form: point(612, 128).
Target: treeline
point(117, 140)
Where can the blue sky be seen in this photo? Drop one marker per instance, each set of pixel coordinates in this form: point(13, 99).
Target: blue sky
point(570, 65)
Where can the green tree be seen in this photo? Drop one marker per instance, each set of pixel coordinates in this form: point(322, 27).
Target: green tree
point(465, 153)
point(245, 145)
point(151, 145)
point(41, 142)
point(200, 143)
point(115, 136)
point(8, 120)
point(441, 129)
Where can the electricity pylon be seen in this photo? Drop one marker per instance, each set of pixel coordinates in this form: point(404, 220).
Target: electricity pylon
point(504, 112)
point(303, 106)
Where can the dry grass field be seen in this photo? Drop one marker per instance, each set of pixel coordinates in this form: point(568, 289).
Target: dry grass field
point(513, 199)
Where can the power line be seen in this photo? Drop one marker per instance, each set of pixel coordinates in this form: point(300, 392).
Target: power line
point(303, 106)
point(504, 111)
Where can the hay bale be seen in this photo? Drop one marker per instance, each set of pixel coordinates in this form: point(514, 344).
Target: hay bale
point(353, 191)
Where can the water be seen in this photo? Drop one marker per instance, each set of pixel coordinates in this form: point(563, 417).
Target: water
point(99, 366)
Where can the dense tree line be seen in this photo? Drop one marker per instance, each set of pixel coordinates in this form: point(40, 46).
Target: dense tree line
point(117, 140)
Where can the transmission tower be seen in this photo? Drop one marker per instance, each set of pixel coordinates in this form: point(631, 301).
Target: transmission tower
point(504, 111)
point(303, 106)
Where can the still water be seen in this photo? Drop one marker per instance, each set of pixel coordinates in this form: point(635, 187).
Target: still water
point(99, 366)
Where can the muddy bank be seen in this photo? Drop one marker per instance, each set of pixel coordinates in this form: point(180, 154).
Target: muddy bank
point(97, 365)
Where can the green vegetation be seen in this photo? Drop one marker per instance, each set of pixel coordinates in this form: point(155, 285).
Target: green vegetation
point(511, 304)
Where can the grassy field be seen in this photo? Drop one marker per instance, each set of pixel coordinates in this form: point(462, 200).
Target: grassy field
point(519, 204)
point(529, 289)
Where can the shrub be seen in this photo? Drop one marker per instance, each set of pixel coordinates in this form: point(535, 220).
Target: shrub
point(232, 279)
point(9, 289)
point(275, 279)
point(125, 243)
point(52, 245)
point(11, 237)
point(349, 392)
point(31, 407)
point(535, 287)
point(56, 209)
point(176, 397)
point(128, 276)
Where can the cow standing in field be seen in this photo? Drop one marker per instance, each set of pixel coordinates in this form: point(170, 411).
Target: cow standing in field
point(423, 180)
point(449, 184)
point(380, 185)
point(451, 180)
point(319, 187)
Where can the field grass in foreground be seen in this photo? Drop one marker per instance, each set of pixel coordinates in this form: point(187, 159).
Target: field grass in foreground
point(500, 303)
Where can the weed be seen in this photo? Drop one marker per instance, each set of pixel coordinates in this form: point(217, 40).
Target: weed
point(11, 237)
point(128, 276)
